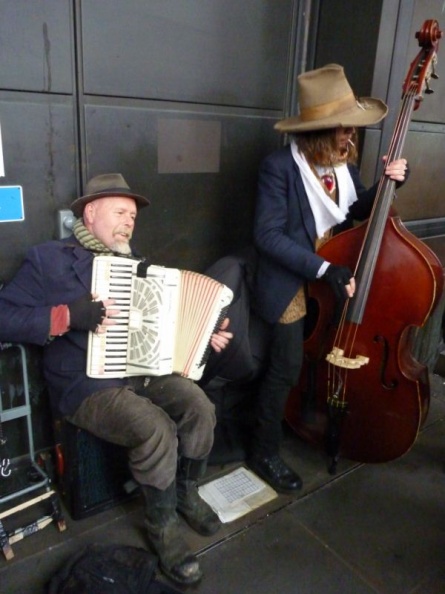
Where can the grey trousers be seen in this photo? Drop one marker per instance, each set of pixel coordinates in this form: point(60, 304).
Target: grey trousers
point(171, 416)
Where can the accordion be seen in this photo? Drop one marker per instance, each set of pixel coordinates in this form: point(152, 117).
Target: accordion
point(165, 322)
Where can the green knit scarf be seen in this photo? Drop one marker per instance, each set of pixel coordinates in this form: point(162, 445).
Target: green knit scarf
point(87, 240)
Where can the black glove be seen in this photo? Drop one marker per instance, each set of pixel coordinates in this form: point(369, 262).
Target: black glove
point(338, 277)
point(86, 314)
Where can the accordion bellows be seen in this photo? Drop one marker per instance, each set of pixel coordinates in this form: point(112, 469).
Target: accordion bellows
point(165, 322)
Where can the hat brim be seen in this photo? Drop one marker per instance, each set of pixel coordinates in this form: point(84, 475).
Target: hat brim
point(372, 112)
point(79, 204)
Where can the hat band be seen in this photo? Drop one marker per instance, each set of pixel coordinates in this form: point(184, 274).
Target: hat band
point(325, 110)
point(112, 190)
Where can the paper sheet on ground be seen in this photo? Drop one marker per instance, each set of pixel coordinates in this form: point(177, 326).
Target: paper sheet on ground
point(236, 494)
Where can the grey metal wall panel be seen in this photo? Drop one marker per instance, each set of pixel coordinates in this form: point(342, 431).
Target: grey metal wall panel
point(206, 51)
point(38, 146)
point(348, 35)
point(194, 218)
point(437, 244)
point(36, 45)
point(423, 195)
point(433, 108)
point(369, 152)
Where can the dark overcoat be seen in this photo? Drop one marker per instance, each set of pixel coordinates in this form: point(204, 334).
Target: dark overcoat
point(53, 273)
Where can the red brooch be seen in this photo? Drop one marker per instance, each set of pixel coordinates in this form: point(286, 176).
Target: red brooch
point(328, 180)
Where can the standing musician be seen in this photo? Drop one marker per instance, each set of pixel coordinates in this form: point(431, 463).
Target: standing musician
point(168, 423)
point(307, 191)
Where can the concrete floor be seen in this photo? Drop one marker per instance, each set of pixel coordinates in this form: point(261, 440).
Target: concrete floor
point(369, 529)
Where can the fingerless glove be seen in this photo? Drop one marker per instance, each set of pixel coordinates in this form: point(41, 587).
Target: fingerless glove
point(86, 314)
point(338, 277)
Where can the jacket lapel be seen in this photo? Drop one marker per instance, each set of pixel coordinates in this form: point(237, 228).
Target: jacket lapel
point(82, 265)
point(307, 217)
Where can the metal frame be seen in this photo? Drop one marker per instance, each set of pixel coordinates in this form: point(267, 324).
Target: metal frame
point(19, 412)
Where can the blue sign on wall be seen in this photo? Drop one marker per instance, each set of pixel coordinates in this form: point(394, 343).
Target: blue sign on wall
point(11, 204)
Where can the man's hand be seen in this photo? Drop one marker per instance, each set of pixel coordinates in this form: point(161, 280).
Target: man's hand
point(221, 339)
point(397, 170)
point(88, 314)
point(341, 280)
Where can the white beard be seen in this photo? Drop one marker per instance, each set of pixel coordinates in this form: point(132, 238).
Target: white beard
point(121, 247)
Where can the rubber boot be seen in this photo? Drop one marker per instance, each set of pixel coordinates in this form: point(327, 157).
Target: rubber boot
point(163, 527)
point(197, 513)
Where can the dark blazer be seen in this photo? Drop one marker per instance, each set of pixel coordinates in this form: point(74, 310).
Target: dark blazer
point(284, 232)
point(53, 273)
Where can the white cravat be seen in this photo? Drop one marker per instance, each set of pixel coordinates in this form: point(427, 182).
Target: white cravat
point(326, 212)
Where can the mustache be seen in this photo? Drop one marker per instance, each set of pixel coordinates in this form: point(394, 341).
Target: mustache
point(125, 232)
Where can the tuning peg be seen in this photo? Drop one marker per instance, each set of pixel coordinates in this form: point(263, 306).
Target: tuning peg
point(428, 91)
point(433, 70)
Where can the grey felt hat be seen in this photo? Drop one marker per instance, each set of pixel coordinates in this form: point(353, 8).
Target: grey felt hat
point(107, 185)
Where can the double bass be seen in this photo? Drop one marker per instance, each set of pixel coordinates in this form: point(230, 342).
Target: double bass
point(362, 394)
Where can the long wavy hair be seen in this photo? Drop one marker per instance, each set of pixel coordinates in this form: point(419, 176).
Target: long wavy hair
point(320, 148)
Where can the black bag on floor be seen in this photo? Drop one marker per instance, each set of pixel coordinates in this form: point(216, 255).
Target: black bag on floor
point(111, 569)
point(231, 377)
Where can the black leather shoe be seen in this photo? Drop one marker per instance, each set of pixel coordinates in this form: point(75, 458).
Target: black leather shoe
point(274, 471)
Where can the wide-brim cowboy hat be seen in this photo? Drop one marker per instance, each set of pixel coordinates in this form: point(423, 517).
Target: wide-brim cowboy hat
point(107, 185)
point(326, 100)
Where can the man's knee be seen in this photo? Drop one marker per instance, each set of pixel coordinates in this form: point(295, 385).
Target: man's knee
point(182, 400)
point(153, 435)
point(203, 406)
point(153, 456)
